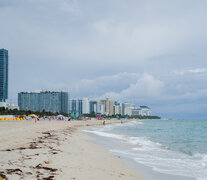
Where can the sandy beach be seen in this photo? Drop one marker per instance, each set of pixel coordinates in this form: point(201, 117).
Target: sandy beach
point(57, 150)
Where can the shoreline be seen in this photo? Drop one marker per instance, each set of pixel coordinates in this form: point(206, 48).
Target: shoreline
point(118, 143)
point(147, 172)
point(57, 150)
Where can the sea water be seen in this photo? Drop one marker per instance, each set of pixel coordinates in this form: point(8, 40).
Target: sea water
point(177, 147)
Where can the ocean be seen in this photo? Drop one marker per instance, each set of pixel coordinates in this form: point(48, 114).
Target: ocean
point(174, 147)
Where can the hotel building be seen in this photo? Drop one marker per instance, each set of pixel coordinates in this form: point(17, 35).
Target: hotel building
point(52, 101)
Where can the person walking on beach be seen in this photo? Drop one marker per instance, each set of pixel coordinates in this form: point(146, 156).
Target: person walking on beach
point(104, 122)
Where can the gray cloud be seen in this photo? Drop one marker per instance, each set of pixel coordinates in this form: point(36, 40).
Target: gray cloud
point(146, 86)
point(102, 48)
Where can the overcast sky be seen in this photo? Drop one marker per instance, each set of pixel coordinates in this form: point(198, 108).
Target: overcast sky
point(148, 52)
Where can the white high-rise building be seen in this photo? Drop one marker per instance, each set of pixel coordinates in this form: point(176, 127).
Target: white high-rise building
point(101, 108)
point(145, 111)
point(117, 108)
point(128, 108)
point(85, 106)
point(136, 112)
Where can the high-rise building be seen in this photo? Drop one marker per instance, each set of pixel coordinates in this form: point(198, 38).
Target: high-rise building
point(117, 108)
point(53, 101)
point(3, 75)
point(85, 106)
point(80, 106)
point(136, 112)
point(93, 107)
point(128, 107)
point(101, 108)
point(109, 106)
point(73, 105)
point(145, 111)
point(76, 105)
point(142, 111)
point(122, 109)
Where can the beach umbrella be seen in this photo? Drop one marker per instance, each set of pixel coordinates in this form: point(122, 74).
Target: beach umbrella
point(33, 115)
point(60, 115)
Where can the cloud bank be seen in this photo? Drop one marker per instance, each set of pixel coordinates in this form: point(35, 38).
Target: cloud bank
point(149, 52)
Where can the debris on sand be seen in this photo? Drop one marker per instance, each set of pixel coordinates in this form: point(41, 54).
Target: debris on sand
point(3, 176)
point(14, 171)
point(48, 178)
point(39, 166)
point(47, 162)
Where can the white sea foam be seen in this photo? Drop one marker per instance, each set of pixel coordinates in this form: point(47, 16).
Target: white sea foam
point(162, 160)
point(156, 156)
point(203, 158)
point(135, 122)
point(165, 161)
point(143, 143)
point(110, 135)
point(117, 125)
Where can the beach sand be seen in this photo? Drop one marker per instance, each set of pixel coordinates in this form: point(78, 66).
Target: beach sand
point(57, 150)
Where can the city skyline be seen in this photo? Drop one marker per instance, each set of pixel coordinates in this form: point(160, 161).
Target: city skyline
point(107, 107)
point(149, 53)
point(59, 102)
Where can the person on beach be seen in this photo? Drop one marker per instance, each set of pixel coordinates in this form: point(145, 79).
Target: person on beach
point(104, 122)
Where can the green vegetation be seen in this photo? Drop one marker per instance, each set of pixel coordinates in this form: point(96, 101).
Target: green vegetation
point(6, 111)
point(146, 117)
point(120, 116)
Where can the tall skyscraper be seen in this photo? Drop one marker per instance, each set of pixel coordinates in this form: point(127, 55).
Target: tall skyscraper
point(53, 101)
point(3, 75)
